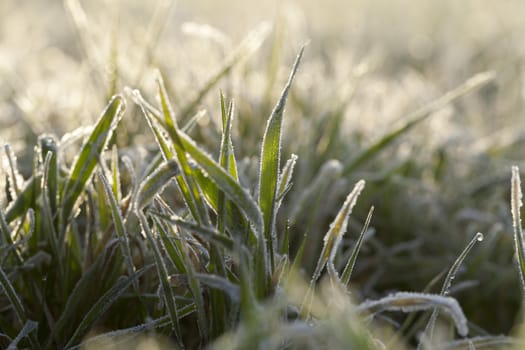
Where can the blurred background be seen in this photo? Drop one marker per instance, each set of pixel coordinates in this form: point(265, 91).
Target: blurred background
point(368, 64)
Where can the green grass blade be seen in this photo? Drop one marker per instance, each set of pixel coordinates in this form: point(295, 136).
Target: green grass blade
point(412, 302)
point(89, 154)
point(333, 237)
point(417, 117)
point(169, 295)
point(347, 272)
point(102, 305)
point(155, 183)
point(28, 328)
point(515, 205)
point(249, 45)
point(14, 179)
point(187, 184)
point(16, 304)
point(25, 200)
point(285, 179)
point(270, 165)
point(120, 227)
point(48, 146)
point(451, 275)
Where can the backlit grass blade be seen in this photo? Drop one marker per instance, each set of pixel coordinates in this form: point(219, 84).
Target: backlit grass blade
point(451, 275)
point(169, 295)
point(48, 146)
point(347, 272)
point(155, 183)
point(28, 328)
point(187, 183)
point(515, 206)
point(270, 165)
point(25, 200)
point(15, 180)
point(16, 304)
point(120, 227)
point(102, 305)
point(225, 182)
point(412, 302)
point(285, 179)
point(417, 117)
point(249, 45)
point(89, 154)
point(333, 237)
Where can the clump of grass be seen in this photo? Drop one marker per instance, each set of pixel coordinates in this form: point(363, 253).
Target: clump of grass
point(81, 256)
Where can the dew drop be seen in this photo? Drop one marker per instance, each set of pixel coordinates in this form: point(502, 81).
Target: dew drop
point(479, 237)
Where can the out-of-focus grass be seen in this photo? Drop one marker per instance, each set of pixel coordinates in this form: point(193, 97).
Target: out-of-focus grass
point(365, 69)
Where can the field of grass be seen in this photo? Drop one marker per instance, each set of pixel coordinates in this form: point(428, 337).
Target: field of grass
point(261, 175)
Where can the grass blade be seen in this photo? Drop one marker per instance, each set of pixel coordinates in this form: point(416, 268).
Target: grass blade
point(120, 227)
point(270, 164)
point(411, 302)
point(333, 237)
point(169, 296)
point(417, 117)
point(187, 183)
point(16, 304)
point(347, 272)
point(102, 305)
point(155, 183)
point(89, 155)
point(515, 205)
point(28, 328)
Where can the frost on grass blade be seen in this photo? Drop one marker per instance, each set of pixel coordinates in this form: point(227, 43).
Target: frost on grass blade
point(429, 329)
point(155, 183)
point(270, 163)
point(89, 155)
point(412, 302)
point(515, 206)
point(333, 237)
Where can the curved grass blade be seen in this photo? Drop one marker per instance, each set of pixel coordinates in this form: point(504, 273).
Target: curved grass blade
point(14, 179)
point(89, 154)
point(285, 179)
point(347, 272)
point(249, 45)
point(25, 200)
point(17, 306)
point(187, 183)
point(429, 329)
point(270, 164)
point(102, 305)
point(417, 117)
point(120, 227)
point(515, 206)
point(169, 296)
point(155, 183)
point(411, 302)
point(28, 328)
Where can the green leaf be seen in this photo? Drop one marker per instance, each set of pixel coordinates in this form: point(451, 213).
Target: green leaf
point(89, 155)
point(270, 164)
